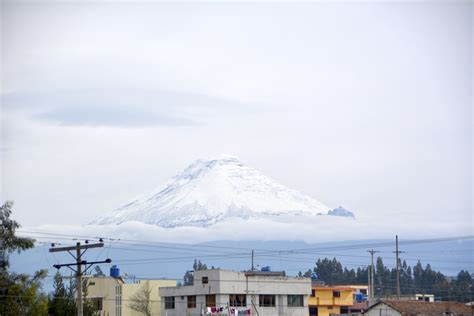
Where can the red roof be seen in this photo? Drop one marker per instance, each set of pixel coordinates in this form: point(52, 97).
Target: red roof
point(427, 308)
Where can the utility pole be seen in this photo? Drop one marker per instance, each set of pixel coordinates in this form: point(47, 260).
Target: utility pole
point(79, 263)
point(397, 253)
point(371, 276)
point(253, 268)
point(78, 279)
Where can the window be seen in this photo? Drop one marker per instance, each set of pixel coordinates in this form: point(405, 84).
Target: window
point(266, 301)
point(192, 301)
point(169, 302)
point(211, 300)
point(118, 300)
point(205, 280)
point(97, 303)
point(295, 300)
point(313, 293)
point(336, 293)
point(237, 300)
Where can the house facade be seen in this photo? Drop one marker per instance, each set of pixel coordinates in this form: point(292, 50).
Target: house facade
point(113, 297)
point(225, 292)
point(327, 300)
point(101, 291)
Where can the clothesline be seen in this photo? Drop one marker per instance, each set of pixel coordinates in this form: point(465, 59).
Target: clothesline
point(224, 311)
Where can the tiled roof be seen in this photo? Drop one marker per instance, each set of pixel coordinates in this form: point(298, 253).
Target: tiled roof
point(427, 308)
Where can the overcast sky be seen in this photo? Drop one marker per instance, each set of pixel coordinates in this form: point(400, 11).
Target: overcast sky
point(364, 105)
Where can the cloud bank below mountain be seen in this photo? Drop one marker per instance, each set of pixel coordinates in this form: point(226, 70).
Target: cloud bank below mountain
point(325, 228)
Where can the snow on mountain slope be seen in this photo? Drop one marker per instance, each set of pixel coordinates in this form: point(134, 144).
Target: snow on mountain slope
point(340, 211)
point(211, 190)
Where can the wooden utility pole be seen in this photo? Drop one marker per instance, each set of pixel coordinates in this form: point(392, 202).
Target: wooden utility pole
point(79, 263)
point(371, 276)
point(397, 253)
point(79, 279)
point(253, 268)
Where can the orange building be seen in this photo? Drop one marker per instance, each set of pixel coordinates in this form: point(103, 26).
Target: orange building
point(326, 300)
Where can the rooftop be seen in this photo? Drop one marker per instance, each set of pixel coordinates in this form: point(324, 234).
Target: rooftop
point(332, 288)
point(432, 308)
point(264, 273)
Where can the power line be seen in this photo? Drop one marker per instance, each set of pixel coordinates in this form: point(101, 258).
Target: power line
point(302, 250)
point(195, 247)
point(296, 255)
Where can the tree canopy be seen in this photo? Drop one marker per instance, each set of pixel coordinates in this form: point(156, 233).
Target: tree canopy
point(9, 242)
point(417, 280)
point(20, 293)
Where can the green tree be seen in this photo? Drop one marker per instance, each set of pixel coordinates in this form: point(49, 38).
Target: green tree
point(406, 279)
point(23, 295)
point(62, 302)
point(463, 287)
point(382, 278)
point(198, 265)
point(188, 278)
point(307, 274)
point(89, 306)
point(349, 276)
point(362, 276)
point(20, 294)
point(9, 242)
point(428, 281)
point(418, 277)
point(329, 271)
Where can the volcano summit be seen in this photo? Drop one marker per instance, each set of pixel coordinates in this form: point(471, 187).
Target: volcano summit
point(212, 190)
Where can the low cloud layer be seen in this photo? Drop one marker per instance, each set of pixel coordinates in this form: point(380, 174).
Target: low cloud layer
point(311, 230)
point(116, 107)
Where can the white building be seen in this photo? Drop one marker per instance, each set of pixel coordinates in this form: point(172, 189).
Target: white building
point(425, 297)
point(226, 292)
point(112, 296)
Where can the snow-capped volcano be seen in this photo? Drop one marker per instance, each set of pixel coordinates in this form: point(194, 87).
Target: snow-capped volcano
point(211, 190)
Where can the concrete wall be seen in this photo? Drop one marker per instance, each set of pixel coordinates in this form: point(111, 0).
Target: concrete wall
point(324, 296)
point(222, 283)
point(105, 288)
point(129, 290)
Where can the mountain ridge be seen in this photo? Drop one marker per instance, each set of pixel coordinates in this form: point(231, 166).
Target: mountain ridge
point(213, 190)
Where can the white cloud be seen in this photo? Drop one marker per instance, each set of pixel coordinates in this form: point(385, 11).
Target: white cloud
point(362, 105)
point(309, 229)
